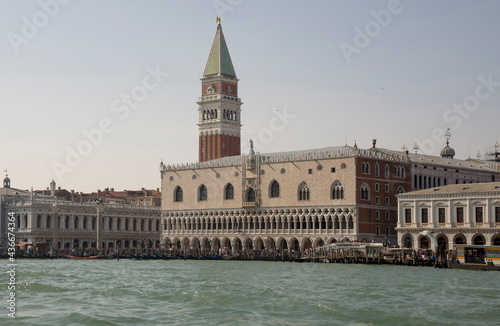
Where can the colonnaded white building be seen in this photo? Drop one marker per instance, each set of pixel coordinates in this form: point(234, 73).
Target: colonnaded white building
point(44, 221)
point(455, 214)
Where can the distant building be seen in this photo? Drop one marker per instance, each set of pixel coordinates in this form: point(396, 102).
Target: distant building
point(455, 214)
point(109, 196)
point(429, 171)
point(60, 218)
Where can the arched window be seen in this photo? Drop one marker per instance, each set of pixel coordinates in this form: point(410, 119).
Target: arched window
point(48, 225)
point(150, 225)
point(134, 225)
point(119, 224)
point(337, 190)
point(94, 223)
point(85, 222)
point(275, 189)
point(365, 192)
point(304, 192)
point(126, 224)
point(363, 167)
point(387, 171)
point(367, 168)
point(157, 225)
point(202, 193)
point(76, 223)
point(377, 170)
point(400, 190)
point(178, 194)
point(251, 195)
point(229, 192)
point(38, 221)
point(110, 224)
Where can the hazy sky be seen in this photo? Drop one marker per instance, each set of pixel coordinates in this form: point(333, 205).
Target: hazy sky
point(398, 71)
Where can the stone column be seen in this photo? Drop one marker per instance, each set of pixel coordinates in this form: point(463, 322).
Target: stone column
point(434, 214)
point(449, 216)
point(55, 237)
point(488, 218)
point(100, 222)
point(469, 218)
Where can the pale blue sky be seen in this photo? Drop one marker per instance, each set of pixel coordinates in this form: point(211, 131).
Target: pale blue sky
point(288, 55)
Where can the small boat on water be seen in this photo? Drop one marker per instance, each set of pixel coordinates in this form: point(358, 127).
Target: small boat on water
point(477, 257)
point(81, 258)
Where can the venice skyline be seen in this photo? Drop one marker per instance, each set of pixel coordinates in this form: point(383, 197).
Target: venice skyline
point(395, 71)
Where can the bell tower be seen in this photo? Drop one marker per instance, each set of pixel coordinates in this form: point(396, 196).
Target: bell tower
point(219, 105)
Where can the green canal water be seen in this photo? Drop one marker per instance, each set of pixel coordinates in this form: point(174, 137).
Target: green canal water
point(176, 292)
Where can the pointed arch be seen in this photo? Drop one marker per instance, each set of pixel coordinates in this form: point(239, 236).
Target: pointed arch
point(365, 168)
point(178, 194)
point(337, 190)
point(250, 195)
point(304, 192)
point(365, 191)
point(274, 189)
point(229, 191)
point(202, 193)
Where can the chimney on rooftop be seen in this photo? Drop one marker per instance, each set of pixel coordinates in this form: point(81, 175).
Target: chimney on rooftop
point(112, 189)
point(374, 142)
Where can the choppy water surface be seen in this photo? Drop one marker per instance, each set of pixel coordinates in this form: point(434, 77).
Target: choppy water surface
point(128, 292)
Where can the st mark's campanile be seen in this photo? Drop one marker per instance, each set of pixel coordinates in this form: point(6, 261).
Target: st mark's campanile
point(219, 105)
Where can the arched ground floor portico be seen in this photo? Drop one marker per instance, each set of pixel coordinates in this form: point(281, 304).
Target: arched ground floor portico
point(237, 244)
point(448, 238)
point(87, 241)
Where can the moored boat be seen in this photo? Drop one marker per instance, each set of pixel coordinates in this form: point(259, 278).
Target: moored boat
point(81, 258)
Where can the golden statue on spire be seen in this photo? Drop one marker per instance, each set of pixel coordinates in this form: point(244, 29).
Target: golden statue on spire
point(218, 20)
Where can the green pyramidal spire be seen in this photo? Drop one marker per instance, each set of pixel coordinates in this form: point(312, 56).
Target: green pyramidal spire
point(219, 62)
